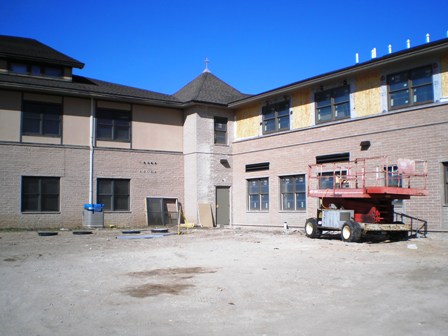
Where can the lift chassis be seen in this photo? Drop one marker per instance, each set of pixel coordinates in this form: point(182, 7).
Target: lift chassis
point(357, 197)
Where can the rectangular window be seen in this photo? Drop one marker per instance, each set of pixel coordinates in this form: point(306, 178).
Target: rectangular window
point(393, 178)
point(445, 181)
point(113, 125)
point(275, 117)
point(332, 104)
point(114, 194)
point(220, 130)
point(293, 196)
point(40, 194)
point(41, 119)
point(258, 192)
point(36, 69)
point(410, 88)
point(19, 68)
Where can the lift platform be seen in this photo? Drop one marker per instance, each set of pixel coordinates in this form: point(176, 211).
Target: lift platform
point(368, 178)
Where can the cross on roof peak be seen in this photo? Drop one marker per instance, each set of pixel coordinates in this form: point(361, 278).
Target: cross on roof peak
point(206, 61)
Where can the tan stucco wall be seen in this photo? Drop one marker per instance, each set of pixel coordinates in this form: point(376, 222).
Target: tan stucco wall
point(247, 122)
point(76, 121)
point(302, 109)
point(444, 75)
point(157, 128)
point(367, 97)
point(10, 103)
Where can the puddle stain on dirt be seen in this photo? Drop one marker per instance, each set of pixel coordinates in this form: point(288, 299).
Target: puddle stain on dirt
point(147, 290)
point(171, 284)
point(172, 271)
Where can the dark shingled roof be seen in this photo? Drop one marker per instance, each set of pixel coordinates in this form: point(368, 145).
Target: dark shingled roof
point(207, 88)
point(86, 87)
point(27, 49)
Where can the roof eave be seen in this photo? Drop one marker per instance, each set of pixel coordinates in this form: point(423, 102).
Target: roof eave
point(89, 94)
point(375, 63)
point(73, 64)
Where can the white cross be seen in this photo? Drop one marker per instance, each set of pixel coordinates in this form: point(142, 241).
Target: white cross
point(206, 65)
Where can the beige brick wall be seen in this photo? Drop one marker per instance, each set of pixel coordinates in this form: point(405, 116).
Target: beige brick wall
point(165, 178)
point(416, 134)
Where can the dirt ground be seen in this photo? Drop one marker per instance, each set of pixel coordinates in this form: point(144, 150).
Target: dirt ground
point(221, 282)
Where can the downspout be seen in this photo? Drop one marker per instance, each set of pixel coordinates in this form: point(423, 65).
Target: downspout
point(92, 144)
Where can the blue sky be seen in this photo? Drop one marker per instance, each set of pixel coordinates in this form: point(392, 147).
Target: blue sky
point(254, 46)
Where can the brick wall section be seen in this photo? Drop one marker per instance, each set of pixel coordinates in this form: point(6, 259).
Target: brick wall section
point(72, 166)
point(203, 169)
point(416, 134)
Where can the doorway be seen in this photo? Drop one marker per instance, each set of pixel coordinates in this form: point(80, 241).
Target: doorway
point(222, 206)
point(162, 211)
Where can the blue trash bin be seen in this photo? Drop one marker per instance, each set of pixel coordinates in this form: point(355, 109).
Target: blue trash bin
point(93, 215)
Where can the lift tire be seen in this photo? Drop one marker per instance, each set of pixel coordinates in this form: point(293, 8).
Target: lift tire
point(351, 232)
point(311, 229)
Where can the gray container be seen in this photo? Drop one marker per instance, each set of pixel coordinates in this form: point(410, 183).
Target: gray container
point(93, 216)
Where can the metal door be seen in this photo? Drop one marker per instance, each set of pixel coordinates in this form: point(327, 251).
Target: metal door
point(222, 206)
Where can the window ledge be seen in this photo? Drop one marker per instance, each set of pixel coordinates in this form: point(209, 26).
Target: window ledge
point(293, 211)
point(41, 212)
point(119, 211)
point(256, 211)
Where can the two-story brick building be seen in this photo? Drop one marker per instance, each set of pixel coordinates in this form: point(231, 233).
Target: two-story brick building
point(66, 140)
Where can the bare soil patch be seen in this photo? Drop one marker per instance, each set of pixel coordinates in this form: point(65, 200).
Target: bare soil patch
point(221, 282)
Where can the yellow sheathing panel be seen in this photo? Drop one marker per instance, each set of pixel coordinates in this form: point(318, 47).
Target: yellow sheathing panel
point(248, 122)
point(302, 109)
point(444, 75)
point(367, 98)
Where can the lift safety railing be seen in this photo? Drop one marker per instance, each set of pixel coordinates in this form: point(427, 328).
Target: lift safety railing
point(365, 173)
point(420, 228)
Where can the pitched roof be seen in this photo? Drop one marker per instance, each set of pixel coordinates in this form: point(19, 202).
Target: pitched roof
point(431, 48)
point(207, 88)
point(83, 86)
point(27, 49)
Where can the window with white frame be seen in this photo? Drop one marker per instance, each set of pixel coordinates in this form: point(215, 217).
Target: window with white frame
point(293, 192)
point(258, 194)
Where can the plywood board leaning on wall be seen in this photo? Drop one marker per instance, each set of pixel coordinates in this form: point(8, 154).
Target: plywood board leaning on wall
point(205, 215)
